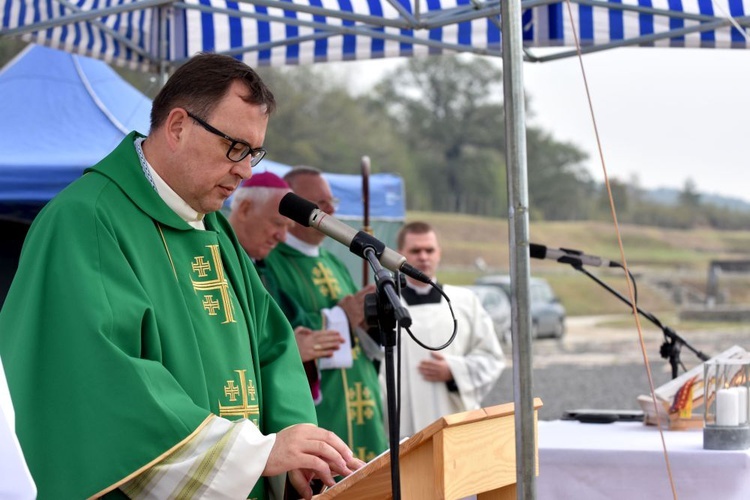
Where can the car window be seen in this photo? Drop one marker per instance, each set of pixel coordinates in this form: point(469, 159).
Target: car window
point(545, 293)
point(535, 293)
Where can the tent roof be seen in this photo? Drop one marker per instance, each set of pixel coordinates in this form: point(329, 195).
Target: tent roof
point(156, 34)
point(61, 113)
point(387, 200)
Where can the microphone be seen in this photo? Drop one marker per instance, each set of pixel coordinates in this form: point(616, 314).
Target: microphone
point(308, 214)
point(568, 256)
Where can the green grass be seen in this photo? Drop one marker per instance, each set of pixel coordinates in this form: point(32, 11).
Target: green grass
point(654, 256)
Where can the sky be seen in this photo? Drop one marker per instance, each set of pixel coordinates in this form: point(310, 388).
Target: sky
point(664, 115)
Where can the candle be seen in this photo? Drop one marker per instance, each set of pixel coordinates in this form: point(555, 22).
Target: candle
point(727, 407)
point(742, 404)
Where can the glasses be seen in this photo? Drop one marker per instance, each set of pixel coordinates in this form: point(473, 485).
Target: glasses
point(238, 150)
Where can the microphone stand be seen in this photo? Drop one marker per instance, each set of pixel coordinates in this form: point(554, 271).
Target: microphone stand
point(388, 313)
point(673, 343)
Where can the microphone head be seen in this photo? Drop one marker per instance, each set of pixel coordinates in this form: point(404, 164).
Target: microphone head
point(537, 251)
point(297, 208)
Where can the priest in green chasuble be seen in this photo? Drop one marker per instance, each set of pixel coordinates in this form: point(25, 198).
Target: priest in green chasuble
point(349, 401)
point(143, 355)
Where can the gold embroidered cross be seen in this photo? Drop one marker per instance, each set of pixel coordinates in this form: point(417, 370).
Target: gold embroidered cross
point(210, 305)
point(360, 404)
point(251, 390)
point(231, 391)
point(244, 410)
point(218, 284)
point(364, 455)
point(326, 282)
point(200, 266)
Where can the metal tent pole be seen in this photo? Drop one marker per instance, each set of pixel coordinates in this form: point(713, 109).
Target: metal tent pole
point(518, 231)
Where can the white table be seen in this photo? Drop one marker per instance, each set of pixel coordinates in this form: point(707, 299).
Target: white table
point(626, 461)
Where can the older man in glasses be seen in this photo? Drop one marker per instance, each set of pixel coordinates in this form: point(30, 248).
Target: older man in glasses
point(320, 283)
point(143, 355)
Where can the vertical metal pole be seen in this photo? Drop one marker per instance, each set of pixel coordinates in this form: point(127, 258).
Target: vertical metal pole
point(164, 43)
point(518, 230)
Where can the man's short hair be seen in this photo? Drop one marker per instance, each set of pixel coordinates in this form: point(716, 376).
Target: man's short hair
point(301, 170)
point(416, 227)
point(257, 195)
point(200, 83)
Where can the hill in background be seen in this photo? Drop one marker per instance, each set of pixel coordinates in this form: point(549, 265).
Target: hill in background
point(670, 197)
point(670, 266)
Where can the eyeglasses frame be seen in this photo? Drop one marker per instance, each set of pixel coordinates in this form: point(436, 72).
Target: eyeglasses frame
point(250, 151)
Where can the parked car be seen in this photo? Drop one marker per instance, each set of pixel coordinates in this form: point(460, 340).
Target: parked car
point(547, 313)
point(497, 305)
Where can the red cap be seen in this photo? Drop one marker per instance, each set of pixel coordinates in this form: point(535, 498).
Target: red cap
point(265, 179)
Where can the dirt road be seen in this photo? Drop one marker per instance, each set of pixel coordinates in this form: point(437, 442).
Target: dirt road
point(603, 367)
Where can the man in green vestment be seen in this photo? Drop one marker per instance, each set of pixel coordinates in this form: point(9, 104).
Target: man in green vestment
point(315, 279)
point(143, 355)
point(259, 226)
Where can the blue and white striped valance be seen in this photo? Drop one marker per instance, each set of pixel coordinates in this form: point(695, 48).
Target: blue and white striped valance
point(151, 33)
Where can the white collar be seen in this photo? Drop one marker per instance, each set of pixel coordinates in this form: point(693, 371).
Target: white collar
point(301, 246)
point(421, 289)
point(171, 198)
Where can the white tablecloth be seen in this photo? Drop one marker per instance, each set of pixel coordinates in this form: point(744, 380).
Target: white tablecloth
point(626, 461)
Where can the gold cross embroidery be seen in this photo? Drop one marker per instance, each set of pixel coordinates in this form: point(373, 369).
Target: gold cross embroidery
point(231, 391)
point(326, 282)
point(210, 305)
point(220, 284)
point(201, 267)
point(244, 410)
point(360, 404)
point(365, 455)
point(251, 390)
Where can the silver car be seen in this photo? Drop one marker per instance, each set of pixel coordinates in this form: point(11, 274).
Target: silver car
point(547, 313)
point(496, 303)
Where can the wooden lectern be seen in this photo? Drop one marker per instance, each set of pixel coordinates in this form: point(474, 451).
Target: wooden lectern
point(459, 455)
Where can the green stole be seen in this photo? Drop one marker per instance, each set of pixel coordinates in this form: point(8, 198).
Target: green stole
point(316, 283)
point(125, 329)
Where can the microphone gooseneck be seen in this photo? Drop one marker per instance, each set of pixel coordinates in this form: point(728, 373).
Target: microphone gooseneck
point(568, 256)
point(308, 214)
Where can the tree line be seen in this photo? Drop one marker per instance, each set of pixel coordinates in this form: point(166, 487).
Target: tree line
point(438, 122)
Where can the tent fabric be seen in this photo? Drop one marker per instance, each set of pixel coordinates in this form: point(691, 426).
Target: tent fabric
point(387, 201)
point(63, 113)
point(149, 34)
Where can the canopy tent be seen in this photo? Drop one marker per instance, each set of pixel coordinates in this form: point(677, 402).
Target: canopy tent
point(157, 34)
point(61, 113)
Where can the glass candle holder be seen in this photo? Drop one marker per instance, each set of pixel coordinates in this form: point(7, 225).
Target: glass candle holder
point(726, 418)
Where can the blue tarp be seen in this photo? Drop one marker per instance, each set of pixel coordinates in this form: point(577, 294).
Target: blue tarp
point(61, 113)
point(386, 193)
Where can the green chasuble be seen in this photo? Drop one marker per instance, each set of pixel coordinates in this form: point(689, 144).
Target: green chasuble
point(291, 309)
point(351, 405)
point(125, 329)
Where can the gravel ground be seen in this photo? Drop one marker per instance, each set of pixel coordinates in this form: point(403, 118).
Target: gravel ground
point(602, 368)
